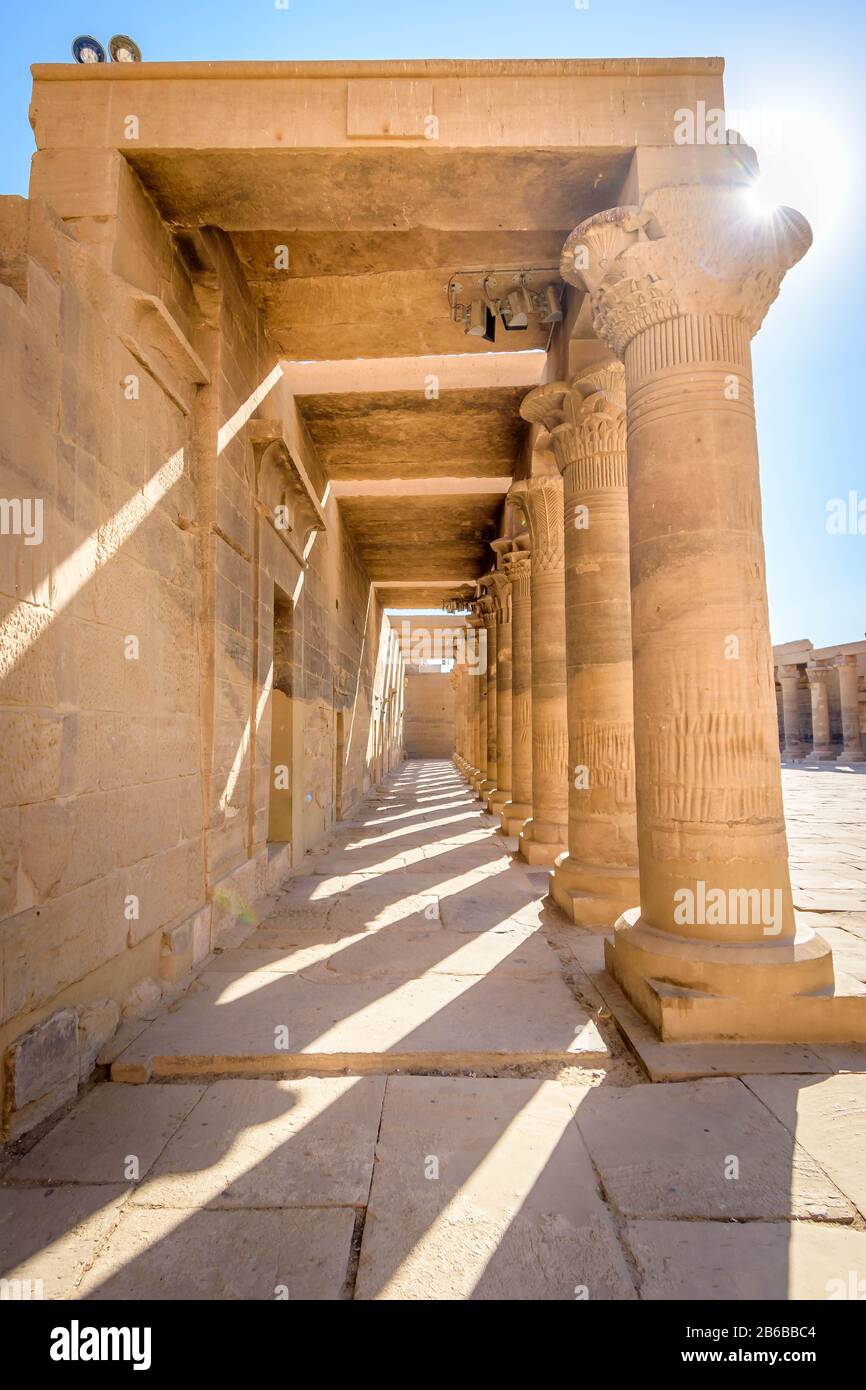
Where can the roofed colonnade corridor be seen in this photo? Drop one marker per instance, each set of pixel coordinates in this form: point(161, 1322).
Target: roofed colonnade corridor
point(401, 891)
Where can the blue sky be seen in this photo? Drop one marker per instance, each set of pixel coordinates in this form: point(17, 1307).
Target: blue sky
point(795, 74)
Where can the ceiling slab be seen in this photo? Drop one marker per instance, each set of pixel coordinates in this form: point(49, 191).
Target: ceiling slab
point(451, 371)
point(404, 435)
point(422, 539)
point(414, 596)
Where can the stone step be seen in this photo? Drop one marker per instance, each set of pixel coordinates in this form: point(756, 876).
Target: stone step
point(266, 1022)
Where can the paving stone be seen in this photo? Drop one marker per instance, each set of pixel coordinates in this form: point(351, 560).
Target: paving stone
point(272, 1144)
point(51, 1233)
point(92, 1144)
point(764, 1261)
point(828, 1117)
point(663, 1150)
point(219, 1255)
point(513, 1211)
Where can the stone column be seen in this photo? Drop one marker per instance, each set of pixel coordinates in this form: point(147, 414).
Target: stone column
point(458, 682)
point(852, 740)
point(789, 679)
point(487, 605)
point(467, 732)
point(597, 879)
point(543, 837)
point(517, 811)
point(678, 286)
point(500, 590)
point(822, 749)
point(478, 681)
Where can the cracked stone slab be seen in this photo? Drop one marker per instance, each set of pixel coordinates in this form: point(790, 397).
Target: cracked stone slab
point(306, 1143)
point(483, 1189)
point(663, 1151)
point(166, 1254)
point(110, 1125)
point(764, 1261)
point(263, 1022)
point(828, 1117)
point(52, 1233)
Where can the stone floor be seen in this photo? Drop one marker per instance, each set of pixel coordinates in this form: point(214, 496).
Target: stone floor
point(404, 1084)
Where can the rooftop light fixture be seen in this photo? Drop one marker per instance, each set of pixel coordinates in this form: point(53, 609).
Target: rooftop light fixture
point(124, 49)
point(87, 50)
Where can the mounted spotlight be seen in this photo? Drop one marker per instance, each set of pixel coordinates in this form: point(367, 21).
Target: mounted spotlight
point(87, 50)
point(124, 50)
point(481, 322)
point(550, 307)
point(515, 310)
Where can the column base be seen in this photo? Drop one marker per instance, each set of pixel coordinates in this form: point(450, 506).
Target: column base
point(696, 990)
point(542, 851)
point(793, 755)
point(500, 798)
point(485, 788)
point(513, 816)
point(820, 755)
point(476, 777)
point(854, 757)
point(593, 895)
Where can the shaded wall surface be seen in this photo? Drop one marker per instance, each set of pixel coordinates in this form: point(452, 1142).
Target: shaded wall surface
point(428, 715)
point(137, 644)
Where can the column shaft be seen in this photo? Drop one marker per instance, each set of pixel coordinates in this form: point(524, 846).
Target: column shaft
point(517, 811)
point(543, 837)
point(849, 696)
point(822, 749)
point(789, 679)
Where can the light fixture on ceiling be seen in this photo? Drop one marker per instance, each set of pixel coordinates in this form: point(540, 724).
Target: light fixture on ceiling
point(511, 294)
point(86, 49)
point(550, 306)
point(124, 49)
point(515, 309)
point(481, 321)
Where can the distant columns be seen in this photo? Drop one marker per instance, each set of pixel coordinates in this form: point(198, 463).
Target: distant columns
point(487, 608)
point(516, 812)
point(478, 704)
point(852, 740)
point(458, 682)
point(543, 837)
point(500, 591)
point(822, 750)
point(789, 679)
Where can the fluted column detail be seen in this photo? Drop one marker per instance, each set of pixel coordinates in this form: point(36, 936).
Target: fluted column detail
point(677, 287)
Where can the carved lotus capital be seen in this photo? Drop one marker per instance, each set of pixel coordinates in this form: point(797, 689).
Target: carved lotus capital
point(690, 249)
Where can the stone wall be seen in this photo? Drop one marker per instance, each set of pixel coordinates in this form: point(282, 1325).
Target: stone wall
point(137, 643)
point(429, 717)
